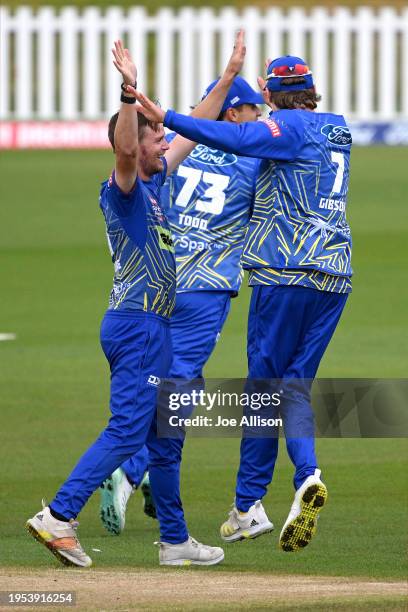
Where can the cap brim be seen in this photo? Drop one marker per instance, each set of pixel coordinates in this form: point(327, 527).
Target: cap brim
point(253, 99)
point(258, 99)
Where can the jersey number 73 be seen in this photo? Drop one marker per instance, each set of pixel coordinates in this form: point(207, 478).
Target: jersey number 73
point(214, 194)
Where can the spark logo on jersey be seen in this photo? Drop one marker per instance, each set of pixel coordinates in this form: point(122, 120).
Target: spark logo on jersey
point(337, 134)
point(199, 245)
point(212, 157)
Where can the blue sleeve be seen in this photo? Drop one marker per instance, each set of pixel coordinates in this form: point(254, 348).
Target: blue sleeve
point(124, 204)
point(170, 136)
point(278, 137)
point(130, 208)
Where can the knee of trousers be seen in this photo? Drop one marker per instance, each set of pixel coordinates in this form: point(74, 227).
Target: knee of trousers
point(165, 452)
point(168, 463)
point(122, 438)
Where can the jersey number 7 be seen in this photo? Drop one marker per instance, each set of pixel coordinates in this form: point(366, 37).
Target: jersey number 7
point(338, 158)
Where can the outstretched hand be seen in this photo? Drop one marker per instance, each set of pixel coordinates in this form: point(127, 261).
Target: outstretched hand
point(262, 84)
point(124, 63)
point(236, 60)
point(264, 89)
point(149, 109)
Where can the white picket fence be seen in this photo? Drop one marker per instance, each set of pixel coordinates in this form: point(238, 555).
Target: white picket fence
point(57, 64)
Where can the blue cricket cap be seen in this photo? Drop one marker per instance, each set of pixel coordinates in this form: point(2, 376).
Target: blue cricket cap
point(286, 67)
point(239, 93)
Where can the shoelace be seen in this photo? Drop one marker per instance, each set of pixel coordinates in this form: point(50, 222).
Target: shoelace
point(192, 540)
point(73, 523)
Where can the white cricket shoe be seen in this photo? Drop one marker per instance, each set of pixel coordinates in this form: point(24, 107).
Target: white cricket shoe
point(115, 493)
point(59, 537)
point(300, 525)
point(190, 552)
point(248, 525)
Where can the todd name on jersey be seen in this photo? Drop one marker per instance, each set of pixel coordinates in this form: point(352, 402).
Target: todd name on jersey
point(208, 202)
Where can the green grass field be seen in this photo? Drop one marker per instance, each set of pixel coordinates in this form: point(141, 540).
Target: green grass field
point(56, 276)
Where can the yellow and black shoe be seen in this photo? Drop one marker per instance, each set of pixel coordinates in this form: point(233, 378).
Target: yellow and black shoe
point(300, 525)
point(246, 525)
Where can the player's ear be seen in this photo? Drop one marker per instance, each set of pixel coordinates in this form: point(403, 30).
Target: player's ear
point(232, 114)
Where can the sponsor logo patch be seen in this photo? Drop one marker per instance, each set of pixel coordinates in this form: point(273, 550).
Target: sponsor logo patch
point(156, 209)
point(199, 245)
point(273, 127)
point(212, 157)
point(165, 239)
point(337, 134)
point(153, 380)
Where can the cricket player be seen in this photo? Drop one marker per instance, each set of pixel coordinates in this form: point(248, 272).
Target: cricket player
point(208, 201)
point(297, 251)
point(135, 332)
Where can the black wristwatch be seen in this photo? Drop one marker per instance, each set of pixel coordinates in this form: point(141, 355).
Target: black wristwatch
point(127, 99)
point(124, 85)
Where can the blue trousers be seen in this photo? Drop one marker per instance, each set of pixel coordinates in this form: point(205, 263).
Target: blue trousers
point(195, 325)
point(137, 346)
point(289, 328)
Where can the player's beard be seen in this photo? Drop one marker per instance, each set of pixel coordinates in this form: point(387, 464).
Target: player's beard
point(152, 165)
point(159, 165)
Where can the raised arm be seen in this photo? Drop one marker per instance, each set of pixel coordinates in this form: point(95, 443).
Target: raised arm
point(126, 135)
point(210, 107)
point(273, 138)
point(278, 137)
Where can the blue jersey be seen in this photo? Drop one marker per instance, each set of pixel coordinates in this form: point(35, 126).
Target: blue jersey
point(141, 247)
point(208, 202)
point(298, 231)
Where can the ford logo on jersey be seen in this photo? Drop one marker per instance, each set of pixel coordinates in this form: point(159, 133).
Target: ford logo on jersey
point(337, 134)
point(212, 157)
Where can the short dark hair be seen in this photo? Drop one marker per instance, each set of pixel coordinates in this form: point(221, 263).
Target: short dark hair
point(142, 123)
point(303, 98)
